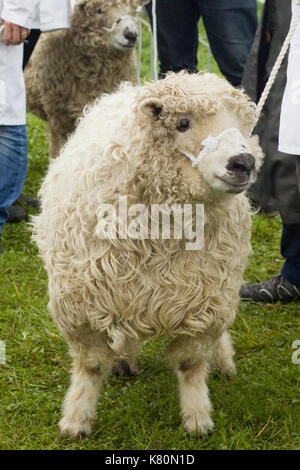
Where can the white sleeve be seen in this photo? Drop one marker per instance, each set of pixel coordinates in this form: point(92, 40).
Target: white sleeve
point(54, 14)
point(19, 12)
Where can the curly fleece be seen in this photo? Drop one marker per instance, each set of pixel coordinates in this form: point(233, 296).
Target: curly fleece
point(143, 287)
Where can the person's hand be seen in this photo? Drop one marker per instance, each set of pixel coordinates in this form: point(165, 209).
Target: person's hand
point(14, 34)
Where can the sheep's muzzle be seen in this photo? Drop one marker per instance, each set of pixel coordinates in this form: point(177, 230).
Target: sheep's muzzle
point(239, 168)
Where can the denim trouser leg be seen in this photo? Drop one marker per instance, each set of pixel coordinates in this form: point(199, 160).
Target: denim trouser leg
point(13, 164)
point(290, 249)
point(177, 34)
point(298, 170)
point(230, 26)
point(290, 245)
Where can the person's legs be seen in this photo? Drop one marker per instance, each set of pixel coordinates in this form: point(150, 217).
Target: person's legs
point(290, 250)
point(13, 164)
point(30, 45)
point(16, 213)
point(177, 34)
point(286, 286)
point(290, 245)
point(230, 26)
point(298, 171)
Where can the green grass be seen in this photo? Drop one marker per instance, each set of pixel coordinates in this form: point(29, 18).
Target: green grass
point(257, 409)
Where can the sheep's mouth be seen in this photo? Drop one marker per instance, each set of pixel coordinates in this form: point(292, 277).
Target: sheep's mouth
point(125, 46)
point(234, 186)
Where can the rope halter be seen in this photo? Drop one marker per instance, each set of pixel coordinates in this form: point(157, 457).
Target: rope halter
point(115, 24)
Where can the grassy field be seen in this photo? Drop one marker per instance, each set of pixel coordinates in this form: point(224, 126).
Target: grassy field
point(257, 409)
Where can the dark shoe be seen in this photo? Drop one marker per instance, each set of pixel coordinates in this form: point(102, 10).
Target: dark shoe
point(29, 201)
point(276, 288)
point(16, 214)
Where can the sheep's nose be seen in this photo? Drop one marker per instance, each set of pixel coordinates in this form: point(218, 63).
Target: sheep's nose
point(131, 36)
point(242, 163)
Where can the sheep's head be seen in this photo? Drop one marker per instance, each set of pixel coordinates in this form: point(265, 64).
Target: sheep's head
point(189, 114)
point(107, 22)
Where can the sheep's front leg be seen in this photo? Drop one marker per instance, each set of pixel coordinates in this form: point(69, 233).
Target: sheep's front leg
point(80, 403)
point(191, 363)
point(223, 352)
point(56, 143)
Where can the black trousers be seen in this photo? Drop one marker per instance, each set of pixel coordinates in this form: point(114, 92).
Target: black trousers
point(30, 45)
point(230, 26)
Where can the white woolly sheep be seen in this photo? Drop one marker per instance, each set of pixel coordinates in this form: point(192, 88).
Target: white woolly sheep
point(69, 69)
point(109, 294)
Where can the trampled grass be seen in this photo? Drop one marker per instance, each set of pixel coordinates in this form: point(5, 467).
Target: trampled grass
point(257, 409)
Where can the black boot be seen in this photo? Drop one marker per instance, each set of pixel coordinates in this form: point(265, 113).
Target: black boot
point(29, 201)
point(16, 214)
point(276, 288)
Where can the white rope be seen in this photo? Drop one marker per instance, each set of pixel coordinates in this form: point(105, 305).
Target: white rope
point(139, 59)
point(277, 64)
point(154, 36)
point(115, 24)
point(206, 44)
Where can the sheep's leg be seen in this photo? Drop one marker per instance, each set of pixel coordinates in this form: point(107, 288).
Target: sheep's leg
point(222, 357)
point(56, 143)
point(90, 367)
point(191, 361)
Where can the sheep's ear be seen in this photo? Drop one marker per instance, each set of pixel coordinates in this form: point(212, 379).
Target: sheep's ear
point(152, 107)
point(144, 2)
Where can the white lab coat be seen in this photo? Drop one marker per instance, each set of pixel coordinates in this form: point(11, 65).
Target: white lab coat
point(289, 130)
point(46, 15)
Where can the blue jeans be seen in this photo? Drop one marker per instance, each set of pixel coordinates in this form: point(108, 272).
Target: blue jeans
point(290, 249)
point(230, 26)
point(13, 165)
point(290, 245)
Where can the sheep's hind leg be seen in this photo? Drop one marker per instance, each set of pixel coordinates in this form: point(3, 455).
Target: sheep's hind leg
point(91, 365)
point(191, 362)
point(222, 357)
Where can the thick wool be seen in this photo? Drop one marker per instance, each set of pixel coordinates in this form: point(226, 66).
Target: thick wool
point(70, 68)
point(107, 295)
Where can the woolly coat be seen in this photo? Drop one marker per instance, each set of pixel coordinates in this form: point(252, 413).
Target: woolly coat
point(147, 287)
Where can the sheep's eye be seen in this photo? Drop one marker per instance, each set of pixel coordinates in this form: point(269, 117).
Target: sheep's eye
point(118, 21)
point(184, 125)
point(99, 11)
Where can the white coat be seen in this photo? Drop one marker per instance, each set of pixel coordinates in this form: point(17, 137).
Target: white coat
point(289, 130)
point(46, 15)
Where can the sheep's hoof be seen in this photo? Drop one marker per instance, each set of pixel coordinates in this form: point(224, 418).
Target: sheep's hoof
point(74, 429)
point(226, 369)
point(198, 423)
point(123, 369)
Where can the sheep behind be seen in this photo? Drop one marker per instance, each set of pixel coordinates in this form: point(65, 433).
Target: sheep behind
point(69, 69)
